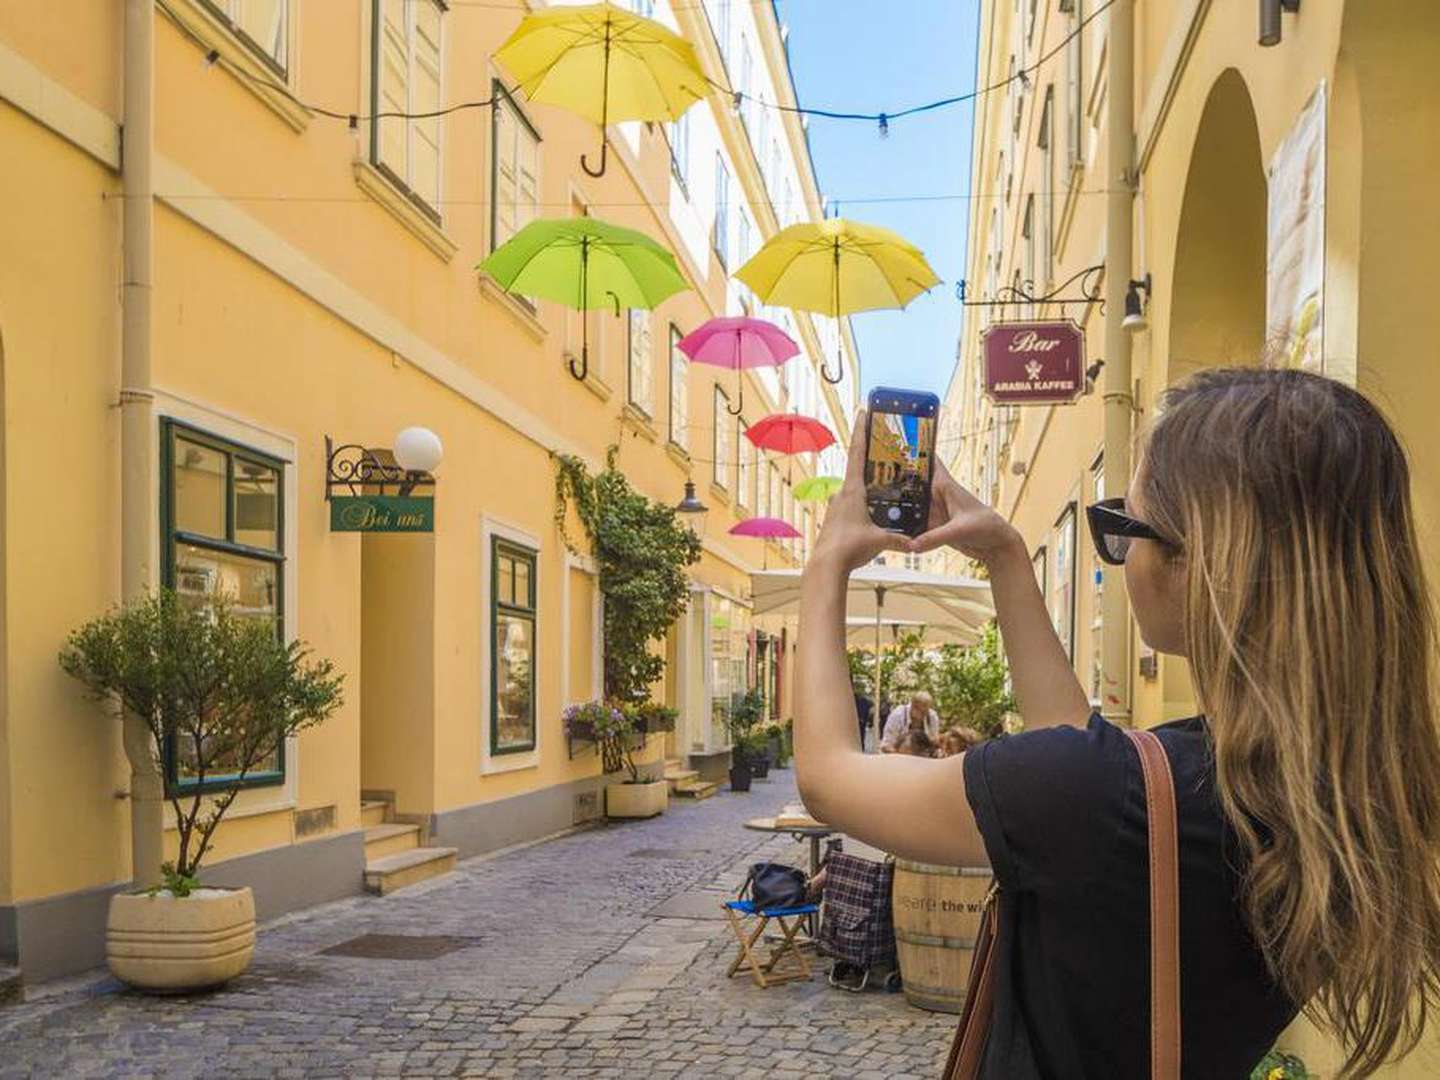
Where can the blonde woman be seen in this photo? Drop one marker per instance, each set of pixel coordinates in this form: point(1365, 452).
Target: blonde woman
point(1268, 538)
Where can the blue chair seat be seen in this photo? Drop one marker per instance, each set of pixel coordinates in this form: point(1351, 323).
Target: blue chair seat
point(747, 907)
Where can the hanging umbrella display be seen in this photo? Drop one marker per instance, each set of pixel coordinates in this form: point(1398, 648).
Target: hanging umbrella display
point(585, 263)
point(790, 433)
point(818, 488)
point(604, 63)
point(837, 267)
point(767, 527)
point(738, 342)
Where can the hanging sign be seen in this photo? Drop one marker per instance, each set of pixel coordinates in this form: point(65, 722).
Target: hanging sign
point(1034, 363)
point(381, 513)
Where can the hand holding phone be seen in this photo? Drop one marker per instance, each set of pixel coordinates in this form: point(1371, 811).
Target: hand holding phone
point(900, 458)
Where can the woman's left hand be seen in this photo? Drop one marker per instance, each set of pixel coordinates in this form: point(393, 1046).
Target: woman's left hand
point(849, 538)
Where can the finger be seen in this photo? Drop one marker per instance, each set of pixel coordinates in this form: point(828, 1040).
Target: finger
point(965, 498)
point(855, 467)
point(942, 536)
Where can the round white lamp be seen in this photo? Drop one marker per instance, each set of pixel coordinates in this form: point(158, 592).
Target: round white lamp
point(417, 449)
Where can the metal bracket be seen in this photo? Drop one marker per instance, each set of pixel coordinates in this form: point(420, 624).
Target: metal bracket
point(354, 466)
point(1009, 295)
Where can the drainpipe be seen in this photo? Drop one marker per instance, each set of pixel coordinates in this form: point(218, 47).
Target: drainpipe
point(137, 411)
point(1119, 403)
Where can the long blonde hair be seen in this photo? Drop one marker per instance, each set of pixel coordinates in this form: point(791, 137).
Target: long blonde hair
point(1312, 645)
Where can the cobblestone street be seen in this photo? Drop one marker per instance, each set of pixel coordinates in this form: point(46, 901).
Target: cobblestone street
point(596, 954)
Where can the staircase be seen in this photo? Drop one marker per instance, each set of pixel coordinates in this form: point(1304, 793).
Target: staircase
point(394, 856)
point(686, 783)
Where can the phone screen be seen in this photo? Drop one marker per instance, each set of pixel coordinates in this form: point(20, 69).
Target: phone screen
point(899, 458)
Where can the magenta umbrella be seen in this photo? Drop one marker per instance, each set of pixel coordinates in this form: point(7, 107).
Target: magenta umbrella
point(737, 342)
point(767, 527)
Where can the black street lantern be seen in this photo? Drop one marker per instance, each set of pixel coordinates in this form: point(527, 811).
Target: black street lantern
point(692, 511)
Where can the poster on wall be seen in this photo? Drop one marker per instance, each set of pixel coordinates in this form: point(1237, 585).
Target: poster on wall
point(1295, 266)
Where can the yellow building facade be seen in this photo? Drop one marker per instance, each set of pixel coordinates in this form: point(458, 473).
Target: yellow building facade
point(313, 278)
point(1278, 205)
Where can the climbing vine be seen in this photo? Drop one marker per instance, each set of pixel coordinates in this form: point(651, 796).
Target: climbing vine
point(641, 549)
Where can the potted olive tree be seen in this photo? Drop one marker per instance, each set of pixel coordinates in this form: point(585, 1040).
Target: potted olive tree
point(746, 757)
point(613, 729)
point(221, 692)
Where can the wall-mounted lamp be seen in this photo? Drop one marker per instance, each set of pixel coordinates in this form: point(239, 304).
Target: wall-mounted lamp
point(1135, 319)
point(1270, 19)
point(692, 511)
point(410, 464)
point(418, 450)
point(1092, 373)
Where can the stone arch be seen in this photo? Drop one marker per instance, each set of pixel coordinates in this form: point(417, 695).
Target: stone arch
point(1217, 313)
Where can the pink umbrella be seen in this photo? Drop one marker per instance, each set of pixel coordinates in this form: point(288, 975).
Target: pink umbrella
point(739, 342)
point(767, 527)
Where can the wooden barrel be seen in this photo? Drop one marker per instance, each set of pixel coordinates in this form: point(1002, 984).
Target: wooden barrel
point(937, 916)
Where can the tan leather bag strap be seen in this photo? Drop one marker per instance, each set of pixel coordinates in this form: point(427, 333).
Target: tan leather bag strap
point(1164, 906)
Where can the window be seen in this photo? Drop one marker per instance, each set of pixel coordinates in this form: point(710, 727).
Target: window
point(762, 487)
point(514, 168)
point(720, 240)
point(1039, 564)
point(512, 647)
point(721, 442)
point(641, 371)
point(405, 77)
point(222, 525)
point(747, 76)
point(742, 241)
point(1062, 592)
point(1027, 232)
point(680, 150)
point(777, 499)
point(587, 328)
point(722, 28)
point(1030, 19)
point(261, 24)
point(744, 490)
point(679, 392)
point(1075, 85)
point(1097, 593)
point(1047, 187)
point(729, 640)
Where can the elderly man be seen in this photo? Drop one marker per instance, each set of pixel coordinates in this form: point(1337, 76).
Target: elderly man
point(919, 715)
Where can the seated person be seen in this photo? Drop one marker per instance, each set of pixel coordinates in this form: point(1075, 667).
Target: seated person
point(918, 715)
point(917, 744)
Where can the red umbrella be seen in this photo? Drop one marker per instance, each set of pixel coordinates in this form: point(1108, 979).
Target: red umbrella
point(767, 527)
point(790, 433)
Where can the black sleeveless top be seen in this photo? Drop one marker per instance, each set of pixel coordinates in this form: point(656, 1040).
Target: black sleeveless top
point(1062, 812)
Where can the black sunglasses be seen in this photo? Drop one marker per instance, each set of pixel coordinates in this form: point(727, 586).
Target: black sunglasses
point(1112, 530)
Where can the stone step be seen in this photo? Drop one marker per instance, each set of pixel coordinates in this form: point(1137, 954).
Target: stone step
point(381, 840)
point(696, 789)
point(10, 989)
point(390, 872)
point(675, 775)
point(373, 812)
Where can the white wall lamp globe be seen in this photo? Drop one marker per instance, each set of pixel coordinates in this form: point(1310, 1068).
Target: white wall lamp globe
point(417, 450)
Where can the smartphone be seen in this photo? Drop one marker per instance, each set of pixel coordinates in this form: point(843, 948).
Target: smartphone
point(899, 458)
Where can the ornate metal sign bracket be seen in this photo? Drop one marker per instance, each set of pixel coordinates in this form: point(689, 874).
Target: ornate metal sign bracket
point(1010, 295)
point(356, 467)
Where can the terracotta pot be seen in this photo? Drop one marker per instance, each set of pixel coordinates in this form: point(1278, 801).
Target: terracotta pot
point(170, 944)
point(636, 800)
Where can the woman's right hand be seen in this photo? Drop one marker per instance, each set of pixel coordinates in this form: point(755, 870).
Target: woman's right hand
point(960, 520)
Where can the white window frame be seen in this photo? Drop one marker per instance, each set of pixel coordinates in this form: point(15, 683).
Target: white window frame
point(640, 392)
point(230, 12)
point(720, 232)
point(405, 182)
point(720, 440)
point(679, 420)
point(505, 103)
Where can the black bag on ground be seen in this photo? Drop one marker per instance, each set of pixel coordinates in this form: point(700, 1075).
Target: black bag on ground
point(774, 885)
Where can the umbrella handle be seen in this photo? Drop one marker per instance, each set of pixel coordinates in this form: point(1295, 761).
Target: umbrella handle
point(584, 368)
point(740, 405)
point(604, 153)
point(837, 380)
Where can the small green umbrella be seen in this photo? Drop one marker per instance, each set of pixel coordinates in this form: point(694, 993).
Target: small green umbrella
point(818, 488)
point(585, 264)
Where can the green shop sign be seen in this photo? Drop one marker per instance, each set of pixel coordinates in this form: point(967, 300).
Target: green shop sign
point(381, 513)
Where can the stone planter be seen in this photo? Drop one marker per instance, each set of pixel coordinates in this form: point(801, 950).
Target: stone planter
point(172, 944)
point(636, 800)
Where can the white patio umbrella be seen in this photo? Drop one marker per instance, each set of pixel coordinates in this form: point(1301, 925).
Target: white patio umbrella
point(955, 607)
point(860, 632)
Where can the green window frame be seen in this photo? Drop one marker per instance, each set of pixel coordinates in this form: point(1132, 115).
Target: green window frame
point(235, 455)
point(510, 607)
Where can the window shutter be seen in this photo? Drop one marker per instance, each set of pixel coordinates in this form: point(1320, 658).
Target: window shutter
point(393, 91)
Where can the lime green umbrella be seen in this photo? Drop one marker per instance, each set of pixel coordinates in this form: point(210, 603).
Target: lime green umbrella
point(585, 263)
point(818, 488)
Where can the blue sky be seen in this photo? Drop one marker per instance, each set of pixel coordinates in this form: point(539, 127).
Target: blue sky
point(860, 56)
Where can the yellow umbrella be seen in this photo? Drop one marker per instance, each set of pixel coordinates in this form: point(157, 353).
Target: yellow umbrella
point(604, 63)
point(837, 267)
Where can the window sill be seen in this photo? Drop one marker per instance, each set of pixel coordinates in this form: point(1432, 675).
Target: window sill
point(720, 493)
point(238, 58)
point(521, 312)
point(633, 416)
point(515, 761)
point(375, 184)
point(678, 454)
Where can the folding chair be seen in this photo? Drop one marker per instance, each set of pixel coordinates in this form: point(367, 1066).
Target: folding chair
point(786, 961)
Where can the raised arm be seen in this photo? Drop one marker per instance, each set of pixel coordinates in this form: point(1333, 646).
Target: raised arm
point(912, 807)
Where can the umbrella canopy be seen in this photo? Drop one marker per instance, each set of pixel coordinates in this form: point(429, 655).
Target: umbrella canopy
point(837, 267)
point(790, 433)
point(818, 488)
point(737, 342)
point(767, 527)
point(860, 633)
point(604, 63)
point(585, 263)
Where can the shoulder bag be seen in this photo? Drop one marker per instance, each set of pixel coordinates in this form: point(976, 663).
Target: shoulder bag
point(968, 1050)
